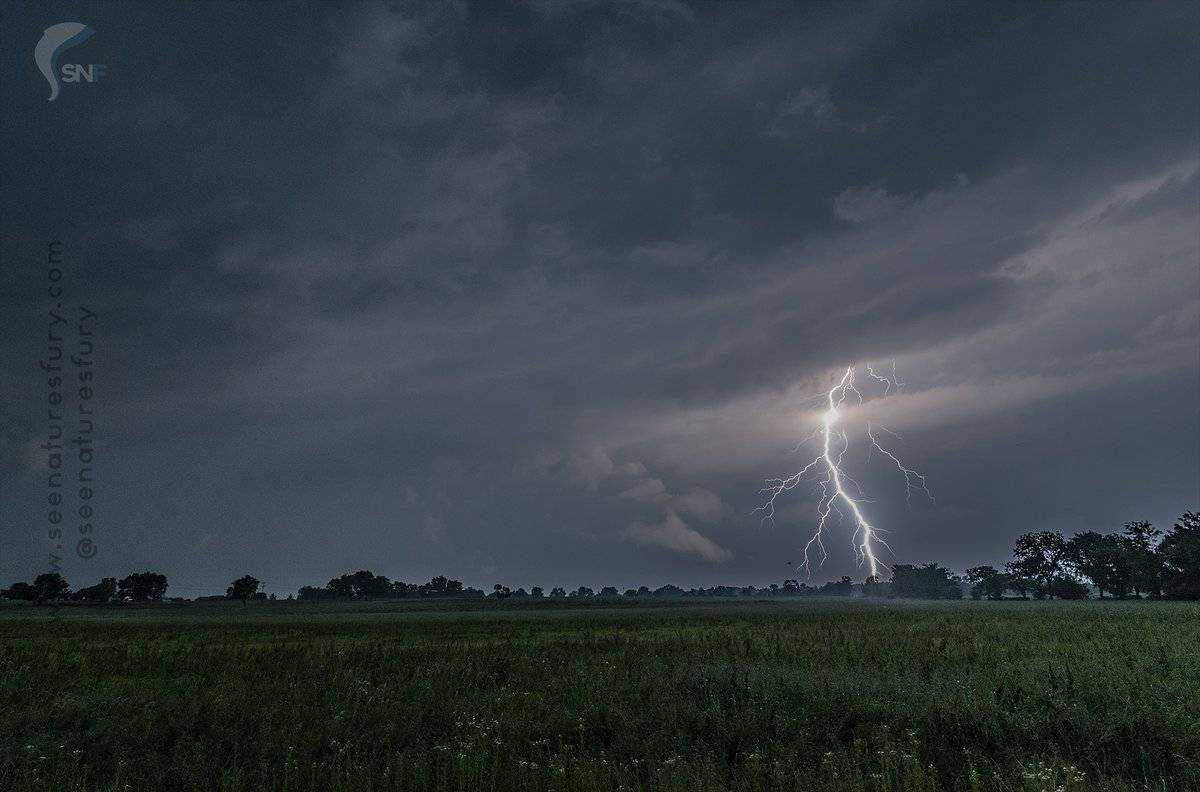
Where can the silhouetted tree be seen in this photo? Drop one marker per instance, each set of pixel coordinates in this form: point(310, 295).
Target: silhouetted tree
point(243, 588)
point(583, 591)
point(104, 591)
point(1017, 582)
point(1104, 559)
point(379, 586)
point(1039, 558)
point(500, 591)
point(537, 591)
point(341, 587)
point(609, 591)
point(142, 587)
point(987, 581)
point(842, 588)
point(1180, 553)
point(20, 591)
point(872, 586)
point(368, 585)
point(1068, 588)
point(557, 592)
point(50, 586)
point(1141, 538)
point(927, 581)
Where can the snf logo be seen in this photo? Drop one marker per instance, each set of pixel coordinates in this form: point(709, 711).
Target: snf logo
point(56, 40)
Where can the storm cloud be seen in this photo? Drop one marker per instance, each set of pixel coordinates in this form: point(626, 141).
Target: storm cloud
point(541, 293)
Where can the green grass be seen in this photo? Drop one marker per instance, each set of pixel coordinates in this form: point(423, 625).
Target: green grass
point(799, 696)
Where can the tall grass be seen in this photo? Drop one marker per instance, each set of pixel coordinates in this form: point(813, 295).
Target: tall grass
point(798, 696)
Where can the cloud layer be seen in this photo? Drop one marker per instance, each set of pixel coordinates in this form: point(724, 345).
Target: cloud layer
point(543, 292)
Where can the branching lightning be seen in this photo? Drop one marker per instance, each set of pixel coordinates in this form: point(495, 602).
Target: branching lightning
point(828, 472)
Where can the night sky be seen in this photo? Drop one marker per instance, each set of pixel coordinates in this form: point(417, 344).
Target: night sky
point(541, 294)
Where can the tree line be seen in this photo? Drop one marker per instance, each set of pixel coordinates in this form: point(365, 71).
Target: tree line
point(52, 587)
point(1137, 561)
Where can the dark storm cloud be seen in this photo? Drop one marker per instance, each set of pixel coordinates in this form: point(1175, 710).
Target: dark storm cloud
point(498, 291)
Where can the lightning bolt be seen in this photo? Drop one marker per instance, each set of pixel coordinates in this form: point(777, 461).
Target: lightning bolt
point(832, 479)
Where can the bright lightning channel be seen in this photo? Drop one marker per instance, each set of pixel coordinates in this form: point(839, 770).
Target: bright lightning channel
point(832, 478)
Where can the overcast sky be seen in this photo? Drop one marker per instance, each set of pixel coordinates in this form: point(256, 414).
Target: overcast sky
point(542, 295)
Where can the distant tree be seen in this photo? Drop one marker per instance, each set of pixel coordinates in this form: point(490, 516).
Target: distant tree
point(1068, 589)
point(1104, 559)
point(1040, 557)
point(630, 592)
point(361, 583)
point(668, 590)
point(643, 591)
point(1141, 533)
point(557, 592)
point(1141, 539)
point(436, 587)
point(1018, 582)
point(987, 581)
point(841, 588)
point(1180, 554)
point(142, 587)
point(926, 581)
point(872, 586)
point(537, 591)
point(50, 586)
point(500, 591)
point(380, 586)
point(104, 591)
point(243, 588)
point(583, 591)
point(365, 584)
point(20, 591)
point(312, 593)
point(341, 587)
point(609, 591)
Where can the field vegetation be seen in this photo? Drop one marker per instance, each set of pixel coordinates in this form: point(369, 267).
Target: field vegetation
point(571, 695)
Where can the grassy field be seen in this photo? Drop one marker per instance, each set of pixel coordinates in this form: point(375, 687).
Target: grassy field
point(764, 695)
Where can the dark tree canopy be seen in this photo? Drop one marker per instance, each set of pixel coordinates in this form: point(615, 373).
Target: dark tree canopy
point(1107, 560)
point(1180, 551)
point(926, 581)
point(142, 587)
point(243, 588)
point(1038, 560)
point(987, 581)
point(104, 591)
